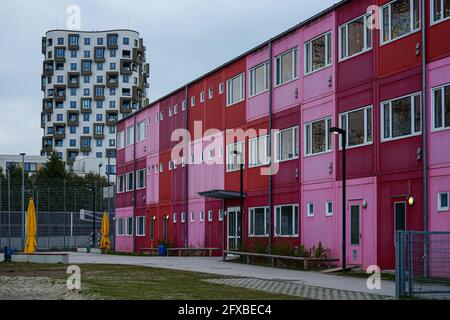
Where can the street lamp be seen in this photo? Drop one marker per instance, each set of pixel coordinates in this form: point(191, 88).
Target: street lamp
point(342, 132)
point(23, 199)
point(241, 191)
point(93, 215)
point(99, 167)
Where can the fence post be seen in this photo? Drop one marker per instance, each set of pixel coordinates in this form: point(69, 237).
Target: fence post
point(399, 264)
point(410, 263)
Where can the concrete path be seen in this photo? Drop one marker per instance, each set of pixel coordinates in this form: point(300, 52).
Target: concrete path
point(216, 266)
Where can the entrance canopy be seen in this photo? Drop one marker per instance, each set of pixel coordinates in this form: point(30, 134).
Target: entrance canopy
point(222, 194)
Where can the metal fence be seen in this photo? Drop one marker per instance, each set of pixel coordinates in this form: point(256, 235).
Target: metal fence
point(423, 264)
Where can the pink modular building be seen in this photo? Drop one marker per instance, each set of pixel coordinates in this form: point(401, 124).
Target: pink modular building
point(331, 70)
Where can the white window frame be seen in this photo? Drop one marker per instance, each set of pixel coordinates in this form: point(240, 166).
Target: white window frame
point(293, 235)
point(413, 134)
point(127, 179)
point(221, 214)
point(411, 21)
point(210, 93)
point(183, 105)
point(327, 212)
point(366, 109)
point(210, 215)
point(253, 153)
point(241, 78)
point(161, 115)
point(129, 222)
point(238, 146)
point(129, 136)
point(442, 19)
point(170, 165)
point(175, 109)
point(120, 140)
point(295, 150)
point(170, 111)
point(368, 30)
point(308, 125)
point(310, 209)
point(440, 88)
point(144, 176)
point(141, 131)
point(192, 216)
point(183, 217)
point(202, 96)
point(120, 222)
point(174, 219)
point(138, 233)
point(221, 88)
point(440, 208)
point(202, 216)
point(161, 168)
point(252, 79)
point(121, 177)
point(308, 52)
point(251, 226)
point(193, 101)
point(277, 73)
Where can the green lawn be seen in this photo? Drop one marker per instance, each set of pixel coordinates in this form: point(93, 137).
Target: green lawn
point(136, 282)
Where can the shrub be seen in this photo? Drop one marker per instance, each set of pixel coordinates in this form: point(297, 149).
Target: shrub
point(283, 248)
point(302, 251)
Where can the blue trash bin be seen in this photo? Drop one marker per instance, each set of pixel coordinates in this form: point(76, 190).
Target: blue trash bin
point(162, 250)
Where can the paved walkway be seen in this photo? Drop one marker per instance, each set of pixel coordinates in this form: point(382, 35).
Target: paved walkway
point(256, 276)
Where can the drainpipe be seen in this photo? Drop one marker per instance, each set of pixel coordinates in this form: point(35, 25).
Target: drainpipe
point(270, 148)
point(424, 132)
point(186, 156)
point(134, 182)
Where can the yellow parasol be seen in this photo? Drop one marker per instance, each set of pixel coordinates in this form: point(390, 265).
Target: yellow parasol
point(31, 243)
point(105, 243)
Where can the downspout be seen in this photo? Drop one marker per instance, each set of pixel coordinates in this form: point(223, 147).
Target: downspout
point(134, 183)
point(186, 156)
point(424, 132)
point(270, 148)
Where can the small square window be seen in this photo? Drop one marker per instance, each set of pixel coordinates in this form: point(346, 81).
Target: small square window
point(310, 210)
point(443, 204)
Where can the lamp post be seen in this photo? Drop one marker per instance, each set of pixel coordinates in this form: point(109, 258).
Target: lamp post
point(99, 168)
point(241, 191)
point(343, 134)
point(23, 199)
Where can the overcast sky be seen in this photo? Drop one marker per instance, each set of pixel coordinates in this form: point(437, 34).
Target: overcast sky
point(184, 39)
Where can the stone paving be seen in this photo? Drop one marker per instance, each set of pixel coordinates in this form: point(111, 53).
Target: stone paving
point(298, 290)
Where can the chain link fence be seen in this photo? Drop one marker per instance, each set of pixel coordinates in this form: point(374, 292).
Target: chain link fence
point(60, 225)
point(423, 264)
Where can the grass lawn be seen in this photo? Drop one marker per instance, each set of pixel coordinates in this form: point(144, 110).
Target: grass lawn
point(136, 282)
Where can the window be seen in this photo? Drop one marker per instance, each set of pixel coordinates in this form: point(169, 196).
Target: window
point(259, 79)
point(141, 131)
point(175, 109)
point(87, 41)
point(73, 67)
point(120, 183)
point(286, 67)
point(440, 10)
point(355, 37)
point(202, 96)
point(183, 105)
point(120, 140)
point(174, 218)
point(152, 228)
point(210, 93)
point(126, 41)
point(141, 179)
point(129, 226)
point(234, 161)
point(441, 107)
point(130, 181)
point(258, 222)
point(443, 204)
point(86, 54)
point(318, 137)
point(170, 111)
point(399, 18)
point(60, 53)
point(221, 214)
point(235, 90)
point(310, 210)
point(130, 136)
point(113, 53)
point(99, 41)
point(192, 216)
point(401, 117)
point(221, 88)
point(258, 150)
point(286, 221)
point(358, 126)
point(318, 53)
point(286, 144)
point(140, 226)
point(183, 217)
point(328, 208)
point(202, 216)
point(210, 215)
point(120, 227)
point(192, 101)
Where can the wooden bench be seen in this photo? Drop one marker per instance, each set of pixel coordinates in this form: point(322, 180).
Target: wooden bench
point(149, 250)
point(273, 257)
point(179, 250)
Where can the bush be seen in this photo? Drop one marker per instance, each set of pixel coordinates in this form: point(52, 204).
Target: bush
point(320, 251)
point(284, 248)
point(259, 246)
point(302, 252)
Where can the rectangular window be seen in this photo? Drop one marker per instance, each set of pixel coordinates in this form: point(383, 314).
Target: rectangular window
point(140, 226)
point(259, 79)
point(328, 208)
point(130, 181)
point(130, 136)
point(440, 10)
point(120, 227)
point(318, 137)
point(192, 216)
point(183, 217)
point(235, 156)
point(258, 150)
point(401, 117)
point(235, 90)
point(310, 210)
point(210, 215)
point(120, 140)
point(443, 204)
point(202, 96)
point(286, 221)
point(183, 105)
point(221, 88)
point(210, 93)
point(286, 67)
point(192, 101)
point(141, 175)
point(441, 107)
point(358, 126)
point(318, 53)
point(286, 144)
point(355, 225)
point(202, 216)
point(399, 18)
point(141, 131)
point(258, 222)
point(129, 226)
point(221, 215)
point(355, 37)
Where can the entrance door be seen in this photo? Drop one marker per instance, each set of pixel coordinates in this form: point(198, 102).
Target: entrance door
point(399, 216)
point(233, 229)
point(355, 234)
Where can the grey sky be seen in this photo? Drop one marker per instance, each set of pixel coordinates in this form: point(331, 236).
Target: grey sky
point(184, 39)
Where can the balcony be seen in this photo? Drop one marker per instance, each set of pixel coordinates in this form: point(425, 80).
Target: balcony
point(110, 42)
point(146, 70)
point(86, 71)
point(44, 45)
point(125, 67)
point(111, 152)
point(60, 58)
point(99, 130)
point(125, 105)
point(86, 105)
point(47, 144)
point(43, 116)
point(47, 105)
point(73, 41)
point(59, 92)
point(85, 143)
point(71, 156)
point(112, 79)
point(48, 68)
point(73, 118)
point(99, 54)
point(99, 92)
point(60, 131)
point(137, 94)
point(138, 56)
point(112, 116)
point(73, 80)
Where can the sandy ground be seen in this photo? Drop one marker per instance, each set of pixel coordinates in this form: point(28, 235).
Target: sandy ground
point(35, 288)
